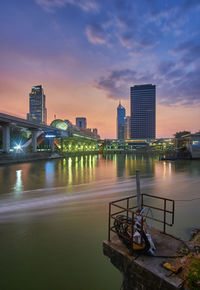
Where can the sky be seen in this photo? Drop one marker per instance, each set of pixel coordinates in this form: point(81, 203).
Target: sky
point(87, 53)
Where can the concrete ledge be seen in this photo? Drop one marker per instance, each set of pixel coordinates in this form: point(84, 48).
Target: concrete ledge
point(26, 157)
point(145, 272)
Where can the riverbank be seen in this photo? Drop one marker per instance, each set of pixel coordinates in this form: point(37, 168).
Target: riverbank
point(14, 158)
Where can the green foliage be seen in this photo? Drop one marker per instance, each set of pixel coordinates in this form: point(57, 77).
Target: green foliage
point(181, 133)
point(193, 276)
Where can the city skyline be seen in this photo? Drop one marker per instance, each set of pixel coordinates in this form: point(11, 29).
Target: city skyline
point(87, 54)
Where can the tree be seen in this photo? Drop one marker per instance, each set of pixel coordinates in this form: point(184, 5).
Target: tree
point(181, 133)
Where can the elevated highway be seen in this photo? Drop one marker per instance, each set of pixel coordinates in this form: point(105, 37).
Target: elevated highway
point(8, 121)
point(59, 129)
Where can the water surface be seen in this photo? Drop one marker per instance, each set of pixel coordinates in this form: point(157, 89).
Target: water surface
point(53, 216)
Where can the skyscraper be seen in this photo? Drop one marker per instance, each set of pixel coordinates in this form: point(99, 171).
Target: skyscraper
point(37, 108)
point(143, 111)
point(127, 125)
point(121, 113)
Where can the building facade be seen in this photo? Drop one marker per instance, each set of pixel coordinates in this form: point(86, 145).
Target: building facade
point(37, 105)
point(127, 127)
point(81, 122)
point(95, 131)
point(143, 111)
point(121, 113)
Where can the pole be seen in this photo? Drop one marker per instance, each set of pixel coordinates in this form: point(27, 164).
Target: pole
point(138, 190)
point(6, 138)
point(34, 140)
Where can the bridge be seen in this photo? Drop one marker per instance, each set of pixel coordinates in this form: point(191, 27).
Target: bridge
point(58, 129)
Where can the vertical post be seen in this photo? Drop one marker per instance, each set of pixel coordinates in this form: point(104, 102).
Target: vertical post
point(173, 207)
point(164, 216)
point(6, 138)
point(142, 200)
point(61, 144)
point(138, 190)
point(51, 140)
point(109, 222)
point(34, 140)
point(132, 225)
point(127, 207)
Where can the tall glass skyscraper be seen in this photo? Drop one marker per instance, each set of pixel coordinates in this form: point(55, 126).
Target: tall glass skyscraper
point(37, 105)
point(121, 113)
point(143, 111)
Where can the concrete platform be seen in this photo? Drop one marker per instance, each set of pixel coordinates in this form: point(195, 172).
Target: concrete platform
point(144, 271)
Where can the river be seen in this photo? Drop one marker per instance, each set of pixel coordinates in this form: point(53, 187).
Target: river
point(53, 216)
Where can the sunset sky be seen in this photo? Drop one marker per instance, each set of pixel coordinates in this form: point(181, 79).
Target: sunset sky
point(87, 54)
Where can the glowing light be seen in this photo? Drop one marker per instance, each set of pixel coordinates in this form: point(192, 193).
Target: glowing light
point(18, 147)
point(50, 173)
point(50, 136)
point(70, 170)
point(70, 162)
point(18, 185)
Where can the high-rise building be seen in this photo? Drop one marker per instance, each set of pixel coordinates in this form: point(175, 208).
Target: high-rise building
point(37, 108)
point(121, 113)
point(143, 111)
point(127, 127)
point(81, 122)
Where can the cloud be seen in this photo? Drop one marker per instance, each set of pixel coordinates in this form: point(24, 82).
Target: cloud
point(96, 34)
point(51, 5)
point(137, 38)
point(171, 18)
point(117, 83)
point(165, 67)
point(190, 52)
point(175, 85)
point(190, 4)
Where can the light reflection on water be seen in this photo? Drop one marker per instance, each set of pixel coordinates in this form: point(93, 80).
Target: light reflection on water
point(61, 208)
point(18, 185)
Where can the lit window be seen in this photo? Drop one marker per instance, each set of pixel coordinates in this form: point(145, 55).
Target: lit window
point(195, 142)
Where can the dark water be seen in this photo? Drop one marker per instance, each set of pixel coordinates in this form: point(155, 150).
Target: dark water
point(53, 216)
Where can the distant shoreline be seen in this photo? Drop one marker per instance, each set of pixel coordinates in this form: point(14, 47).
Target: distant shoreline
point(6, 159)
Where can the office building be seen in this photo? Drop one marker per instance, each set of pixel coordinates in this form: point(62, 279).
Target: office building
point(81, 123)
point(121, 113)
point(37, 107)
point(127, 127)
point(143, 111)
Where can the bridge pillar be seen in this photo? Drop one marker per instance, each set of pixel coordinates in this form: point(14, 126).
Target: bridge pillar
point(34, 140)
point(6, 138)
point(61, 144)
point(51, 141)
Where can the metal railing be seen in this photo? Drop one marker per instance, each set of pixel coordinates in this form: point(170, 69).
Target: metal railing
point(131, 213)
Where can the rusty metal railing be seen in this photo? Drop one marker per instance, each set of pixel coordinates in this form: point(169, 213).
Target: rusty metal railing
point(165, 209)
point(116, 208)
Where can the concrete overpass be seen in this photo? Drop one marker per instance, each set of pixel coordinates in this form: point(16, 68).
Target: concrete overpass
point(8, 121)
